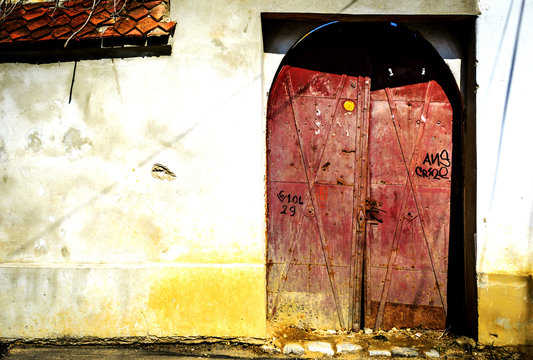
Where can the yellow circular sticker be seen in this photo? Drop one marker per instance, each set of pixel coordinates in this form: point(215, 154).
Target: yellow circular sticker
point(349, 105)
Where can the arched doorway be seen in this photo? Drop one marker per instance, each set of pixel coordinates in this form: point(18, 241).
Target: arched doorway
point(361, 159)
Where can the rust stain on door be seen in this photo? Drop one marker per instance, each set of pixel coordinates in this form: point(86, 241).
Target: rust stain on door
point(410, 148)
point(315, 186)
point(358, 188)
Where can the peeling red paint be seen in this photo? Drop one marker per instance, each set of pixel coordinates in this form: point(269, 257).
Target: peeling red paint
point(373, 222)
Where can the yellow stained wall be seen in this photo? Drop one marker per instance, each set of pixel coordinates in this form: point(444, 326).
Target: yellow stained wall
point(504, 207)
point(141, 301)
point(506, 309)
point(208, 301)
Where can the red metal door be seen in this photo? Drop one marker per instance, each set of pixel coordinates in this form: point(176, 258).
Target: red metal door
point(410, 149)
point(358, 188)
point(316, 180)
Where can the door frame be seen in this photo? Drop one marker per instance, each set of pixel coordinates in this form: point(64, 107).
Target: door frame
point(462, 297)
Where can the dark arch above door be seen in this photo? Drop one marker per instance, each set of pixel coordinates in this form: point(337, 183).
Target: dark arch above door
point(358, 220)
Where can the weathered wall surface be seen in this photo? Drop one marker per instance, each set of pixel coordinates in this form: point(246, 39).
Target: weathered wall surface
point(92, 245)
point(505, 180)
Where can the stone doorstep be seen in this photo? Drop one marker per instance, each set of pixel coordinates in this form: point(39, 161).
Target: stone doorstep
point(269, 349)
point(397, 351)
point(325, 348)
point(379, 352)
point(347, 348)
point(321, 347)
point(402, 352)
point(293, 349)
point(432, 353)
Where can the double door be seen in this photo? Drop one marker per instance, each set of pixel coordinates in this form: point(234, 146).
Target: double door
point(358, 183)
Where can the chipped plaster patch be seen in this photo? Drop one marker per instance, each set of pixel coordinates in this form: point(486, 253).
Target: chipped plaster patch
point(3, 153)
point(65, 252)
point(75, 143)
point(503, 322)
point(40, 246)
point(219, 44)
point(34, 141)
point(174, 252)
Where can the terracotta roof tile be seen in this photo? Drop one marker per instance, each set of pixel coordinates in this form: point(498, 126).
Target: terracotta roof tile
point(86, 29)
point(167, 26)
point(138, 13)
point(51, 11)
point(4, 36)
point(99, 18)
point(110, 32)
point(41, 33)
point(59, 32)
point(135, 32)
point(35, 13)
point(135, 4)
point(38, 23)
point(108, 22)
point(72, 3)
point(47, 37)
point(151, 4)
point(113, 7)
point(32, 6)
point(157, 32)
point(43, 21)
point(60, 21)
point(90, 34)
point(14, 24)
point(158, 12)
point(17, 12)
point(76, 22)
point(125, 25)
point(25, 40)
point(146, 25)
point(19, 33)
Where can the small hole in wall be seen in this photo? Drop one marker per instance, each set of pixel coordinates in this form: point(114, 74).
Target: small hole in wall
point(161, 172)
point(65, 252)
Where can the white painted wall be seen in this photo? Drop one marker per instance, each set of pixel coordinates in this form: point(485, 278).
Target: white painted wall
point(505, 179)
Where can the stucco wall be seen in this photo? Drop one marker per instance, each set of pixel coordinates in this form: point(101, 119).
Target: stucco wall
point(505, 180)
point(92, 245)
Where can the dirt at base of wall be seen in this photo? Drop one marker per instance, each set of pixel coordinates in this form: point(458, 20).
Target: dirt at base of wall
point(412, 343)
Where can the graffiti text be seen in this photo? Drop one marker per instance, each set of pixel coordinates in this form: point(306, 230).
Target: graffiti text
point(434, 166)
point(288, 200)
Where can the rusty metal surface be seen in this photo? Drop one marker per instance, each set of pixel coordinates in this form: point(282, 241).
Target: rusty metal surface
point(410, 150)
point(358, 188)
point(360, 199)
point(405, 315)
point(312, 176)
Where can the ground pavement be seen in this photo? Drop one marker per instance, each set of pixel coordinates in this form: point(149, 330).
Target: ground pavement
point(289, 343)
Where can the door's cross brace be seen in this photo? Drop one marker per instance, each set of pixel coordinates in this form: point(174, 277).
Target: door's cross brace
point(408, 188)
point(311, 175)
